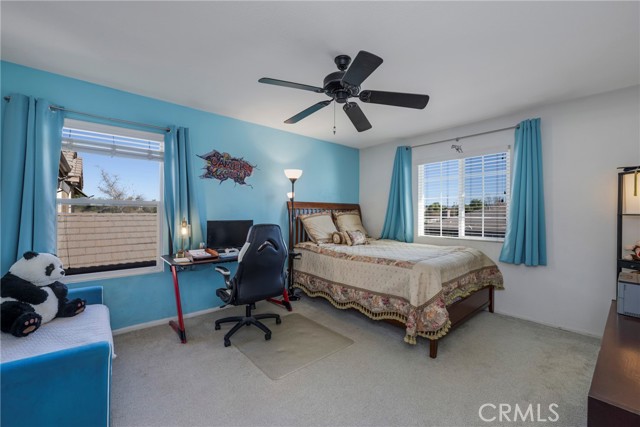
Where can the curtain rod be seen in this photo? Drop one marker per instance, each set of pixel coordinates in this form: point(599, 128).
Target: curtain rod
point(54, 107)
point(467, 136)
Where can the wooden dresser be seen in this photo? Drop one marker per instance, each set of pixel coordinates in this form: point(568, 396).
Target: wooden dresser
point(614, 397)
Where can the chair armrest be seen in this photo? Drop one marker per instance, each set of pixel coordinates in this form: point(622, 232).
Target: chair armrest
point(93, 294)
point(223, 270)
point(67, 387)
point(226, 274)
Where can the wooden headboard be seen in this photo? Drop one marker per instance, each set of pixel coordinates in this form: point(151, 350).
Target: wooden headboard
point(304, 208)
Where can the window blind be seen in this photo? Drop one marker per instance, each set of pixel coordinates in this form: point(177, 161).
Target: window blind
point(114, 141)
point(464, 197)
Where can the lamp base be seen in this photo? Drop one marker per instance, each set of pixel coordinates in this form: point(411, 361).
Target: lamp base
point(293, 296)
point(180, 253)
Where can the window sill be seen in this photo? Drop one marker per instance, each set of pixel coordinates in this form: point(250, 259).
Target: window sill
point(475, 239)
point(77, 278)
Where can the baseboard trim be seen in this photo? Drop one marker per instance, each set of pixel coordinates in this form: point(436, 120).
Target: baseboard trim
point(575, 331)
point(165, 321)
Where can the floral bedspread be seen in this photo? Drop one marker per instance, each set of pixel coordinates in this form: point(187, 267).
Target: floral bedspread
point(409, 282)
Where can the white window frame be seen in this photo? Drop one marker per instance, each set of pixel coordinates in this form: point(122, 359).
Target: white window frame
point(85, 201)
point(423, 160)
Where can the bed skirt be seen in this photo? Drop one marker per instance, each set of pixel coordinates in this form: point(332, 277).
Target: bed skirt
point(430, 320)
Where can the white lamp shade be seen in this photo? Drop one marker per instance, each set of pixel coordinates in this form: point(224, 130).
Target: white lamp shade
point(630, 203)
point(293, 173)
point(290, 195)
point(185, 229)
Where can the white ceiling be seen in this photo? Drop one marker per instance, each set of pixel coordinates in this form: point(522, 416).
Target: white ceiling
point(476, 60)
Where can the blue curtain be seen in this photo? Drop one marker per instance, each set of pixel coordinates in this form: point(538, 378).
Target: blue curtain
point(30, 155)
point(525, 240)
point(398, 223)
point(181, 200)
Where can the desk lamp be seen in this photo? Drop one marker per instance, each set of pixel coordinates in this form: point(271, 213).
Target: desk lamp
point(185, 231)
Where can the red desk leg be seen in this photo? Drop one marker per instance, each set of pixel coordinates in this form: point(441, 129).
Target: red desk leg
point(287, 295)
point(284, 301)
point(179, 327)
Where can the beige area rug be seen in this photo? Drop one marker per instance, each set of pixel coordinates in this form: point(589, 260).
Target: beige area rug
point(295, 343)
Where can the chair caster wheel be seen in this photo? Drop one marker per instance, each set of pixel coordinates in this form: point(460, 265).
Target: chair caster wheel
point(217, 327)
point(227, 343)
point(278, 321)
point(267, 337)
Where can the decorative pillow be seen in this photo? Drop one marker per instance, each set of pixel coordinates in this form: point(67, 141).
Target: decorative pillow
point(319, 226)
point(345, 238)
point(357, 238)
point(349, 221)
point(341, 238)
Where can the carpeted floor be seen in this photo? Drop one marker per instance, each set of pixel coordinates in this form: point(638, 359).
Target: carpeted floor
point(299, 342)
point(377, 381)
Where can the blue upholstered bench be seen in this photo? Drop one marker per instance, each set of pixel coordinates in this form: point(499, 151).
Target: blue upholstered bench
point(66, 387)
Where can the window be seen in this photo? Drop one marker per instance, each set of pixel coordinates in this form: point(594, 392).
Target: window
point(109, 197)
point(464, 197)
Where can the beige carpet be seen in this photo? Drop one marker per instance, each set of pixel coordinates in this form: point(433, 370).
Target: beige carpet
point(295, 343)
point(379, 380)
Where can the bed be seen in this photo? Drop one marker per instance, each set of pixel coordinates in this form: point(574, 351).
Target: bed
point(427, 289)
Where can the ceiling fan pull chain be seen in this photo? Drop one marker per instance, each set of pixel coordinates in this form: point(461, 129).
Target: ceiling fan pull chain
point(334, 118)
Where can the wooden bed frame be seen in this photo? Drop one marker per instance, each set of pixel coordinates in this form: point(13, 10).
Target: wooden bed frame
point(459, 311)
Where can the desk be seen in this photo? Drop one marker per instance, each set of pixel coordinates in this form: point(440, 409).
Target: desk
point(614, 397)
point(179, 327)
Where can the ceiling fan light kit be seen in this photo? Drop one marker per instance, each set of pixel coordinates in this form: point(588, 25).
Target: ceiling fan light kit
point(345, 83)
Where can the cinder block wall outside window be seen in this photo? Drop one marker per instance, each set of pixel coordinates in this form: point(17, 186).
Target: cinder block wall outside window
point(89, 239)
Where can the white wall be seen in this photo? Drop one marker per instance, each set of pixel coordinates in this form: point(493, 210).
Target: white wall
point(584, 141)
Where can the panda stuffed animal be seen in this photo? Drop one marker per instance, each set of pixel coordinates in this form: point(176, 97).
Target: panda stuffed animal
point(31, 294)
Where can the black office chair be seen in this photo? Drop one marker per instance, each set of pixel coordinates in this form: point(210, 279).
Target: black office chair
point(260, 275)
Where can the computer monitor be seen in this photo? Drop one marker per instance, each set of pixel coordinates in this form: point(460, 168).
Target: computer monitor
point(227, 234)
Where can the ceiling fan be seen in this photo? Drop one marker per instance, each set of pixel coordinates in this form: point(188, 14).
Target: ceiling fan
point(345, 83)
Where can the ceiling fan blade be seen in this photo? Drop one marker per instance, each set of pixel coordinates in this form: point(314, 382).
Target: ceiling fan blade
point(409, 100)
point(362, 66)
point(356, 116)
point(302, 114)
point(276, 82)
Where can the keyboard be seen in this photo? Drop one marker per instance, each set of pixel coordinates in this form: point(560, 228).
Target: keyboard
point(228, 250)
point(224, 255)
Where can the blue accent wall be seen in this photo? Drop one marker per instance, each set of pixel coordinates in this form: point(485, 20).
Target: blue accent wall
point(331, 173)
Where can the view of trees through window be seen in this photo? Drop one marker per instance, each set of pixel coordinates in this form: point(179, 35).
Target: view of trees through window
point(111, 187)
point(465, 197)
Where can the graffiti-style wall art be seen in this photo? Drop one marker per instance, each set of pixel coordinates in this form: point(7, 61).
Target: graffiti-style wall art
point(222, 166)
